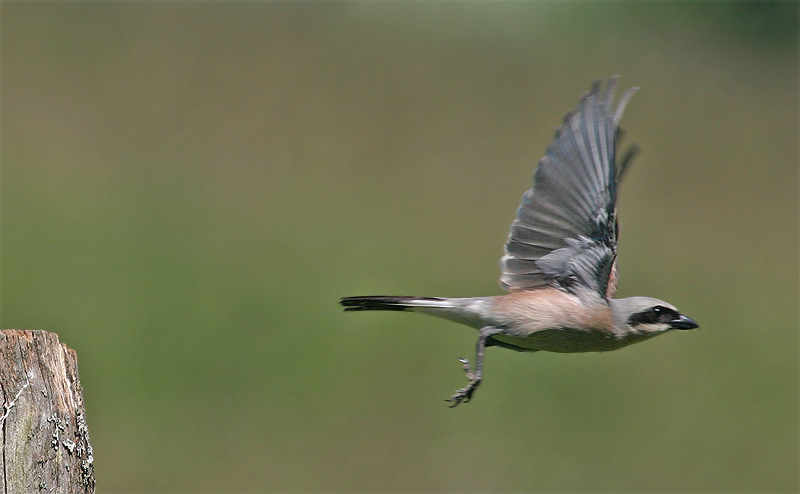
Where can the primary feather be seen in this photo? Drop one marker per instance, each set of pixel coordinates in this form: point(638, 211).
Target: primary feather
point(565, 233)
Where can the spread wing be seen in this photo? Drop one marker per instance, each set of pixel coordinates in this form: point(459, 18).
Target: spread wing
point(565, 233)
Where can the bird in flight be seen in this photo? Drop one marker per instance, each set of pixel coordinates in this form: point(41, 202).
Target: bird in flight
point(559, 265)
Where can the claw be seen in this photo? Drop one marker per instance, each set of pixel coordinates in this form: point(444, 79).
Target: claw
point(464, 394)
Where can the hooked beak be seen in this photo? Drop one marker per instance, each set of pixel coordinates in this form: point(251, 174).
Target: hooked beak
point(683, 322)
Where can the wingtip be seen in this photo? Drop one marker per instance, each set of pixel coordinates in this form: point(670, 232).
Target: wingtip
point(608, 95)
point(623, 102)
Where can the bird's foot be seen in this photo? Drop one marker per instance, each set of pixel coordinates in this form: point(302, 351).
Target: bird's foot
point(464, 394)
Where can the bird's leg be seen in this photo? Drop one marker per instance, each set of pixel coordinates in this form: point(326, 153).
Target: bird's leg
point(464, 394)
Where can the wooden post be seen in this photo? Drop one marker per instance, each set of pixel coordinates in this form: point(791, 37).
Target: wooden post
point(45, 441)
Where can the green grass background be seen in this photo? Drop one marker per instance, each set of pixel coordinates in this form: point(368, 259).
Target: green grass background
point(188, 188)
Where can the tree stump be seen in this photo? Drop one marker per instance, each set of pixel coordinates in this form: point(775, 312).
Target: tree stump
point(45, 441)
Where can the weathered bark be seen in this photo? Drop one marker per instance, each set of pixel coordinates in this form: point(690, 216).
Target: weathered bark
point(45, 441)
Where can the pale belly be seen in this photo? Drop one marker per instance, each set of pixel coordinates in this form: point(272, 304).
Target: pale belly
point(566, 340)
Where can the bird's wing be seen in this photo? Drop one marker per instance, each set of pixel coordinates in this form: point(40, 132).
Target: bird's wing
point(565, 233)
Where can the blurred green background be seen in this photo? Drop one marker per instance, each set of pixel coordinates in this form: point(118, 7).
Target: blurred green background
point(187, 190)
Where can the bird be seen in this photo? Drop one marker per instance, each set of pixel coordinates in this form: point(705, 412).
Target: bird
point(559, 264)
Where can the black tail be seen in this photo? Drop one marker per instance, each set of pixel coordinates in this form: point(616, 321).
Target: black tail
point(381, 302)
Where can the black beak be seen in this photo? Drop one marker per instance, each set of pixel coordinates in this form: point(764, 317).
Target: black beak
point(683, 322)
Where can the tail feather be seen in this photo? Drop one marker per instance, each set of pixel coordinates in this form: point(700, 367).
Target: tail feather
point(383, 302)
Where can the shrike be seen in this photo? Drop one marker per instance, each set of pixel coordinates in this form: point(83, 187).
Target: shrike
point(560, 258)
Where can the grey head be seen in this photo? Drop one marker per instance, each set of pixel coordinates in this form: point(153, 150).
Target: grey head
point(646, 317)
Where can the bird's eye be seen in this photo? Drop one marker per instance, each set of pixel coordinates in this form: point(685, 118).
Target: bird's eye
point(653, 315)
point(663, 314)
